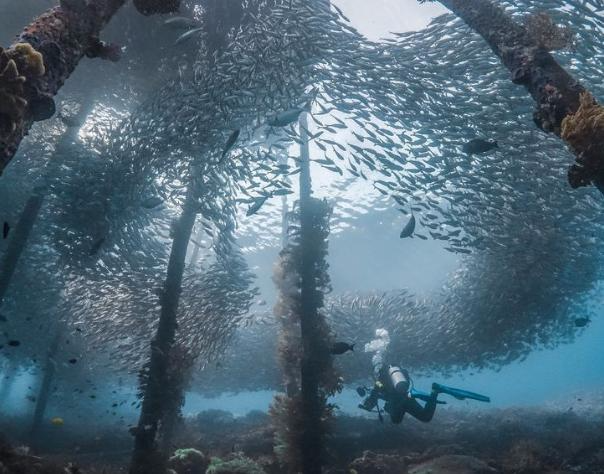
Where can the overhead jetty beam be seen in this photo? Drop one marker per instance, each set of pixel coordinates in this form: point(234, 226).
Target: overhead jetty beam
point(46, 53)
point(563, 106)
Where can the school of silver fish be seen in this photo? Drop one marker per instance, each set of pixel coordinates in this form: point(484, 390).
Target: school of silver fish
point(396, 114)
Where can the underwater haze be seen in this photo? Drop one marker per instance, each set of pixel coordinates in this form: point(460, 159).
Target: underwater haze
point(301, 236)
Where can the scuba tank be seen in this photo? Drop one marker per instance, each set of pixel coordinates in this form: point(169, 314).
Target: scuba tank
point(399, 379)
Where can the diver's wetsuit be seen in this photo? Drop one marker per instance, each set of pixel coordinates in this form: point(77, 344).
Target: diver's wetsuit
point(397, 404)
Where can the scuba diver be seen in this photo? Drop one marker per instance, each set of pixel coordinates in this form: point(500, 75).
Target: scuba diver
point(394, 386)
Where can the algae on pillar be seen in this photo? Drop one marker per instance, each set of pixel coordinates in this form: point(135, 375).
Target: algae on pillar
point(302, 415)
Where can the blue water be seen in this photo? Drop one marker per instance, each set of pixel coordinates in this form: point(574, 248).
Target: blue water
point(565, 374)
point(384, 261)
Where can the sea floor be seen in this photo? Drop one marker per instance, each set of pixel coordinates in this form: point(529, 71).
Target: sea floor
point(513, 440)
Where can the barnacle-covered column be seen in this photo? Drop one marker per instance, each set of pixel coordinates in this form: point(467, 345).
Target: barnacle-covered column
point(162, 387)
point(147, 457)
point(301, 416)
point(46, 53)
point(564, 107)
point(180, 369)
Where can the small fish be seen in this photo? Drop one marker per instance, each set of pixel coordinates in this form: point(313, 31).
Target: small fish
point(255, 207)
point(57, 421)
point(283, 119)
point(229, 144)
point(409, 228)
point(181, 23)
point(73, 361)
point(582, 322)
point(152, 202)
point(14, 343)
point(188, 35)
point(5, 230)
point(282, 192)
point(478, 145)
point(340, 348)
point(346, 19)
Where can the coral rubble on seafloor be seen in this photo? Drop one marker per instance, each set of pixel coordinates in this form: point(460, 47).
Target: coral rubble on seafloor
point(234, 464)
point(189, 461)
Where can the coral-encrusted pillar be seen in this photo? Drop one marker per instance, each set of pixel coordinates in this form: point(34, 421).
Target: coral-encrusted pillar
point(46, 53)
point(564, 107)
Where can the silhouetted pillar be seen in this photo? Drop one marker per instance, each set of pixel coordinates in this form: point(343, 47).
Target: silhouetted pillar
point(48, 376)
point(312, 442)
point(147, 457)
point(20, 234)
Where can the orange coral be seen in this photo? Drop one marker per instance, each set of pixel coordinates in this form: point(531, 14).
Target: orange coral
point(17, 64)
point(12, 103)
point(31, 61)
point(584, 130)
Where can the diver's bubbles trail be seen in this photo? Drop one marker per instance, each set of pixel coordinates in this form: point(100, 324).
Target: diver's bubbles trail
point(378, 346)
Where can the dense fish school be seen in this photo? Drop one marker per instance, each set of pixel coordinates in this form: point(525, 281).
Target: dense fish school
point(138, 221)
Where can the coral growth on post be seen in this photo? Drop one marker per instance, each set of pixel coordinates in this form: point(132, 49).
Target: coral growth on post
point(302, 279)
point(584, 132)
point(45, 55)
point(524, 50)
point(542, 31)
